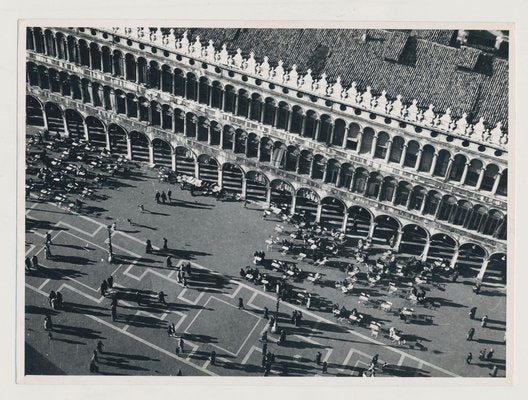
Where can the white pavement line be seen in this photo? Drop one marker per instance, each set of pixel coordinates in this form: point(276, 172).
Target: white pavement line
point(31, 248)
point(42, 235)
point(70, 278)
point(117, 269)
point(206, 363)
point(180, 321)
point(44, 284)
point(147, 343)
point(327, 356)
point(249, 353)
point(125, 250)
point(250, 301)
point(79, 292)
point(247, 337)
point(36, 289)
point(309, 340)
point(234, 294)
point(400, 361)
point(180, 296)
point(91, 234)
point(347, 359)
point(87, 241)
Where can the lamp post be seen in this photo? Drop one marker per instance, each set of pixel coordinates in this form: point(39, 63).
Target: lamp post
point(275, 327)
point(110, 250)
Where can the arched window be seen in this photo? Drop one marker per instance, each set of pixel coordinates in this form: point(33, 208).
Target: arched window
point(417, 198)
point(353, 136)
point(318, 167)
point(332, 171)
point(360, 180)
point(490, 174)
point(339, 132)
point(305, 162)
point(366, 141)
point(179, 83)
point(297, 120)
point(457, 169)
point(396, 150)
point(270, 110)
point(388, 189)
point(374, 185)
point(402, 194)
point(442, 163)
point(325, 130)
point(205, 90)
point(283, 115)
point(432, 201)
point(447, 206)
point(216, 95)
point(243, 103)
point(256, 107)
point(382, 145)
point(473, 173)
point(427, 158)
point(310, 124)
point(191, 89)
point(230, 99)
point(346, 176)
point(411, 155)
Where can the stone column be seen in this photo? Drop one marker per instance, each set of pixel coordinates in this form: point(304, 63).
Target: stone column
point(151, 153)
point(426, 249)
point(66, 130)
point(129, 148)
point(372, 227)
point(449, 167)
point(220, 175)
point(293, 203)
point(374, 144)
point(389, 149)
point(418, 159)
point(113, 102)
point(100, 95)
point(196, 169)
point(424, 201)
point(455, 257)
point(345, 138)
point(85, 126)
point(464, 174)
point(268, 196)
point(433, 164)
point(496, 183)
point(325, 172)
point(360, 140)
point(480, 178)
point(403, 155)
point(173, 160)
point(108, 147)
point(483, 268)
point(345, 221)
point(318, 214)
point(244, 187)
point(397, 243)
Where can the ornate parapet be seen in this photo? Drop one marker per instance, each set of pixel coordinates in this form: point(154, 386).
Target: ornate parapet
point(445, 122)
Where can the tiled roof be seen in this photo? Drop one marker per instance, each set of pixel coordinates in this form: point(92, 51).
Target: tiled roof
point(429, 73)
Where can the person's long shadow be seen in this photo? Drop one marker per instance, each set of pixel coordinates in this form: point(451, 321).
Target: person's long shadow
point(82, 332)
point(128, 356)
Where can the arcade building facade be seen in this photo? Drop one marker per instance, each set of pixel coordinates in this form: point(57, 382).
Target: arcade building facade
point(349, 159)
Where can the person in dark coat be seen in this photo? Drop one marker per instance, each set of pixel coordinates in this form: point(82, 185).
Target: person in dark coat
point(163, 197)
point(470, 334)
point(318, 358)
point(157, 196)
point(34, 261)
point(472, 312)
point(148, 247)
point(59, 299)
point(110, 281)
point(28, 264)
point(104, 288)
point(169, 195)
point(240, 303)
point(165, 247)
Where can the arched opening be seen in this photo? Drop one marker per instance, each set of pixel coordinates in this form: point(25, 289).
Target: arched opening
point(232, 176)
point(179, 83)
point(306, 203)
point(360, 180)
point(216, 95)
point(207, 168)
point(388, 189)
point(469, 260)
point(488, 180)
point(228, 137)
point(332, 171)
point(292, 156)
point(118, 140)
point(353, 136)
point(358, 223)
point(442, 163)
point(54, 118)
point(240, 141)
point(477, 219)
point(494, 221)
point(339, 133)
point(396, 150)
point(432, 201)
point(142, 71)
point(143, 109)
point(496, 269)
point(411, 155)
point(215, 133)
point(190, 125)
point(325, 130)
point(386, 228)
point(179, 120)
point(106, 60)
point(256, 186)
point(166, 120)
point(278, 154)
point(402, 194)
point(140, 146)
point(203, 129)
point(418, 194)
point(75, 124)
point(205, 91)
point(448, 206)
point(426, 160)
point(252, 145)
point(413, 240)
point(502, 189)
point(305, 162)
point(462, 213)
point(256, 107)
point(96, 132)
point(382, 145)
point(310, 124)
point(230, 99)
point(318, 166)
point(243, 103)
point(84, 53)
point(184, 161)
point(332, 212)
point(297, 118)
point(373, 185)
point(155, 113)
point(191, 89)
point(95, 56)
point(270, 111)
point(366, 141)
point(162, 153)
point(118, 62)
point(266, 147)
point(442, 247)
point(346, 175)
point(473, 173)
point(34, 114)
point(282, 194)
point(154, 76)
point(130, 67)
point(283, 115)
point(457, 168)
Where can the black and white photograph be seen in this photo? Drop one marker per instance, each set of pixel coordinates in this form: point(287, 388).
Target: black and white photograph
point(237, 201)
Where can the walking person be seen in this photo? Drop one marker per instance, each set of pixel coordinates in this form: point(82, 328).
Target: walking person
point(163, 197)
point(114, 312)
point(325, 367)
point(489, 356)
point(484, 321)
point(482, 354)
point(48, 251)
point(265, 348)
point(51, 296)
point(472, 312)
point(114, 226)
point(169, 262)
point(59, 299)
point(34, 261)
point(28, 264)
point(318, 358)
point(240, 303)
point(161, 298)
point(494, 371)
point(469, 358)
point(184, 281)
point(148, 247)
point(141, 209)
point(48, 325)
point(213, 357)
point(110, 281)
point(169, 195)
point(470, 334)
point(266, 313)
point(165, 247)
point(100, 347)
point(157, 196)
point(104, 288)
point(48, 238)
point(181, 345)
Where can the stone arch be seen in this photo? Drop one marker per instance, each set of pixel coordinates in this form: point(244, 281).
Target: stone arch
point(278, 154)
point(179, 82)
point(283, 115)
point(232, 175)
point(118, 139)
point(257, 185)
point(478, 218)
point(352, 139)
point(462, 213)
point(282, 193)
point(388, 189)
point(266, 149)
point(203, 129)
point(305, 162)
point(96, 131)
point(243, 103)
point(95, 56)
point(228, 137)
point(447, 208)
point(215, 133)
point(162, 152)
point(367, 139)
point(230, 97)
point(346, 175)
point(252, 145)
point(217, 95)
point(207, 168)
point(240, 141)
point(414, 239)
point(270, 111)
point(496, 271)
point(457, 168)
point(318, 166)
point(473, 172)
point(34, 111)
point(333, 212)
point(432, 201)
point(297, 120)
point(256, 107)
point(54, 118)
point(490, 174)
point(291, 158)
point(470, 258)
point(311, 123)
point(306, 203)
point(359, 221)
point(75, 123)
point(417, 199)
point(359, 183)
point(106, 60)
point(382, 145)
point(191, 87)
point(442, 246)
point(324, 133)
point(130, 67)
point(396, 151)
point(332, 171)
point(204, 91)
point(191, 122)
point(185, 161)
point(386, 228)
point(442, 163)
point(339, 138)
point(411, 154)
point(403, 193)
point(140, 146)
point(426, 160)
point(494, 221)
point(374, 185)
